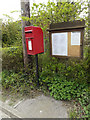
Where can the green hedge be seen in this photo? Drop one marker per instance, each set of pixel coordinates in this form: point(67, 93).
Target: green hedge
point(12, 58)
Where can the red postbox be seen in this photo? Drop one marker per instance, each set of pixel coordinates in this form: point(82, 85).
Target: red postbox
point(34, 40)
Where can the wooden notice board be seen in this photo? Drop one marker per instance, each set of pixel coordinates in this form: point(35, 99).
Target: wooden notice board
point(67, 41)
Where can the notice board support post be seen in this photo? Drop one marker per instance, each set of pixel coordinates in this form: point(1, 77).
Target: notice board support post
point(37, 71)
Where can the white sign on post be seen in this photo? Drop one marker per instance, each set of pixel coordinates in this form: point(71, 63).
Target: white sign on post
point(59, 44)
point(30, 45)
point(75, 38)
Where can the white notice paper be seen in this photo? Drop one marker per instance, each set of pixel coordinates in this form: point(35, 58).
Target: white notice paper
point(29, 45)
point(59, 44)
point(75, 38)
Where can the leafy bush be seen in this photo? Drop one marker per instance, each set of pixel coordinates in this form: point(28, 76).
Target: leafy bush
point(12, 58)
point(43, 15)
point(19, 82)
point(11, 33)
point(73, 70)
point(65, 78)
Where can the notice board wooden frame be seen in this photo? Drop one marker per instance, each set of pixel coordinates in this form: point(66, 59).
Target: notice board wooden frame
point(69, 27)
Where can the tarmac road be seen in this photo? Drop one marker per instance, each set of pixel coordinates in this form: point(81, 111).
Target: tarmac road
point(38, 107)
point(42, 107)
point(3, 115)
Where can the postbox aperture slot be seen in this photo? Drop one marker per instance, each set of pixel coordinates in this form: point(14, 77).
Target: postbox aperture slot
point(29, 37)
point(30, 45)
point(28, 31)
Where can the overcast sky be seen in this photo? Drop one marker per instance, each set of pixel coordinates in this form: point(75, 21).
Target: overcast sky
point(6, 6)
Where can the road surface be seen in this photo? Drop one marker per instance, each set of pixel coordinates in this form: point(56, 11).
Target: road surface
point(3, 115)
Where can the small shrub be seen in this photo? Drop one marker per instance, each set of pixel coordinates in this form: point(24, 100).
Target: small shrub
point(11, 33)
point(16, 81)
point(12, 58)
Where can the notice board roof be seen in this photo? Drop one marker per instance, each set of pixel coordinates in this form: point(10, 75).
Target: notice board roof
point(67, 25)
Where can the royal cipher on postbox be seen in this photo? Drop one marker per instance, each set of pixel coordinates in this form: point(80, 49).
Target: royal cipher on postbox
point(34, 40)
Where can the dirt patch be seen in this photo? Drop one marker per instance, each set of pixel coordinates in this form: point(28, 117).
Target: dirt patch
point(12, 98)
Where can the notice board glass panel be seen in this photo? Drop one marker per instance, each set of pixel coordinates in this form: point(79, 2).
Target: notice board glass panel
point(59, 44)
point(75, 38)
point(73, 50)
